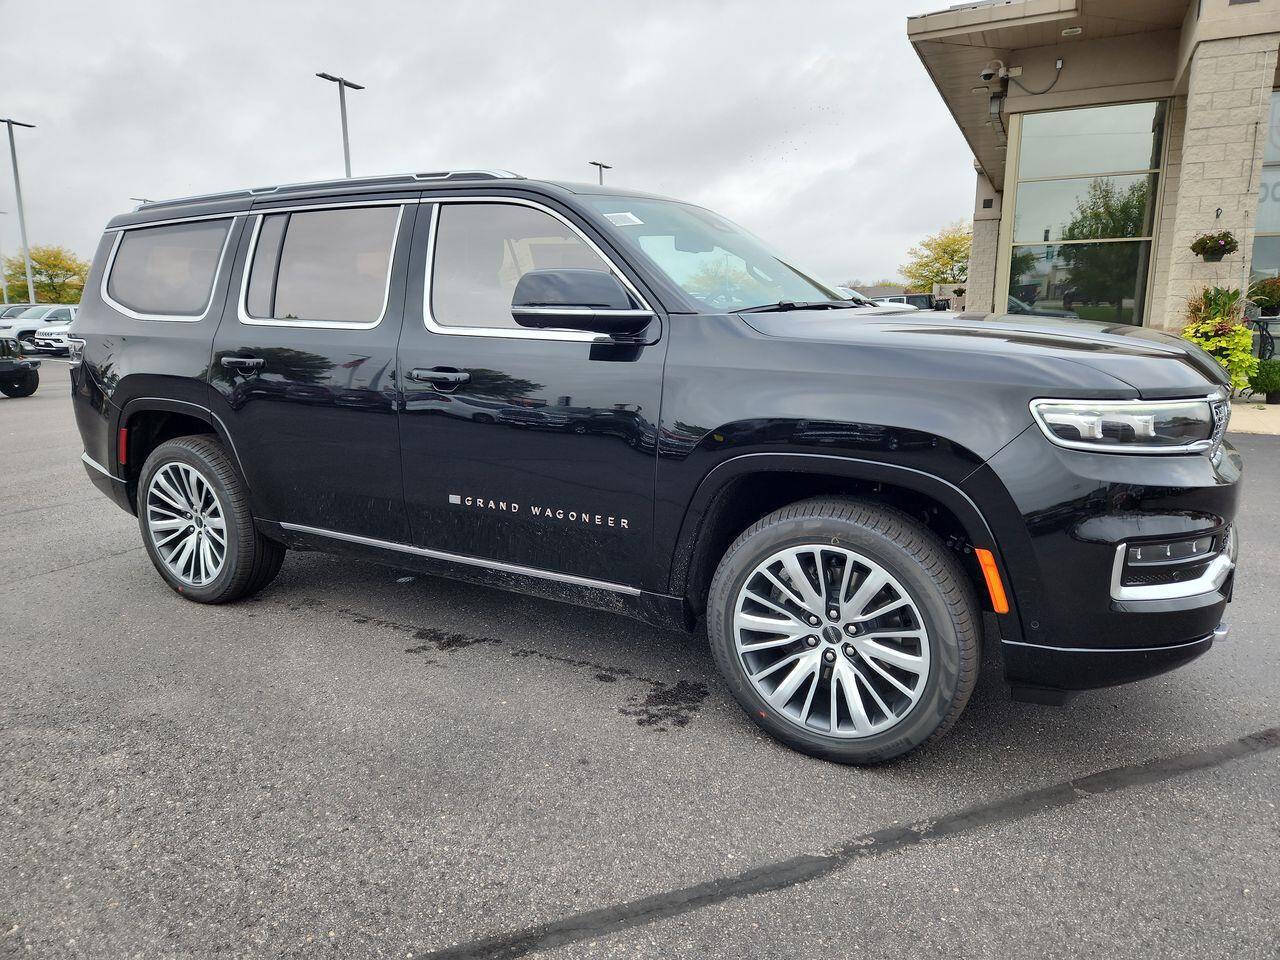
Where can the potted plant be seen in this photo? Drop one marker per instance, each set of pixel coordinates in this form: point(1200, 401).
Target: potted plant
point(1267, 380)
point(1214, 246)
point(1266, 294)
point(1215, 322)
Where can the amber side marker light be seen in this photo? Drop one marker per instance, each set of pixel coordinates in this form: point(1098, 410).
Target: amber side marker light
point(999, 602)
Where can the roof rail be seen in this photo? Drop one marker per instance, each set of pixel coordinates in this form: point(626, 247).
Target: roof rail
point(406, 178)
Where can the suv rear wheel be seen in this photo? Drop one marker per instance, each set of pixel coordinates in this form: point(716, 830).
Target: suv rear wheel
point(194, 513)
point(23, 386)
point(845, 629)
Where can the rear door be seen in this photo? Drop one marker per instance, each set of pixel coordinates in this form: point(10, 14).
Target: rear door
point(303, 365)
point(529, 447)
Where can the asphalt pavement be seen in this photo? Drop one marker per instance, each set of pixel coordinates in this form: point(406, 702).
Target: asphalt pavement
point(363, 762)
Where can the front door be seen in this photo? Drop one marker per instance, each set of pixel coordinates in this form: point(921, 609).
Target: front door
point(303, 365)
point(529, 447)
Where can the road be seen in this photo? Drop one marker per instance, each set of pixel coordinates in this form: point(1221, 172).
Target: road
point(365, 762)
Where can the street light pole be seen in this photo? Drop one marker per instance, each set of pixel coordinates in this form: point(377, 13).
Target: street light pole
point(600, 168)
point(343, 83)
point(4, 276)
point(17, 190)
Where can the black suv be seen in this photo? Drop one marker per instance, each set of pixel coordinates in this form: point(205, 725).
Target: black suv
point(630, 403)
point(19, 376)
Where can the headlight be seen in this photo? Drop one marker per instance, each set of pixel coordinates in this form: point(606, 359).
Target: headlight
point(1131, 426)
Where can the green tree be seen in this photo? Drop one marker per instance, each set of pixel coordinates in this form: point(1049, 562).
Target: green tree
point(941, 258)
point(1106, 272)
point(59, 275)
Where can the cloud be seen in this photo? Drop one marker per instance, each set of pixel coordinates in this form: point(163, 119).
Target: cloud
point(812, 124)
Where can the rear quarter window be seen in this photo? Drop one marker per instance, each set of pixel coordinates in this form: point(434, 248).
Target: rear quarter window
point(167, 271)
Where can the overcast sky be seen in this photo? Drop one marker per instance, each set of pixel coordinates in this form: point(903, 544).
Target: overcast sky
point(812, 124)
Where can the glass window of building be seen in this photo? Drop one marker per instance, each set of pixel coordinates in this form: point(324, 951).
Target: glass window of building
point(1084, 211)
point(1266, 241)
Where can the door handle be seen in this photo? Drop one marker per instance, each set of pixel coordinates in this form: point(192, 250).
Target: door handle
point(243, 363)
point(440, 375)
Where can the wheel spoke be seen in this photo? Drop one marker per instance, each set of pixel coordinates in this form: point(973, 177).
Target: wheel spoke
point(774, 668)
point(907, 661)
point(757, 624)
point(766, 602)
point(853, 697)
point(786, 590)
point(887, 675)
point(813, 601)
point(768, 644)
point(163, 488)
point(885, 608)
point(871, 584)
point(804, 668)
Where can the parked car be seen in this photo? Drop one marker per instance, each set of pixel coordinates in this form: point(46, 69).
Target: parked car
point(921, 301)
point(878, 306)
point(853, 502)
point(54, 338)
point(13, 309)
point(19, 374)
point(25, 324)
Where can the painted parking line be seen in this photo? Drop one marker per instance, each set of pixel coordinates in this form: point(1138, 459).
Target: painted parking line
point(804, 869)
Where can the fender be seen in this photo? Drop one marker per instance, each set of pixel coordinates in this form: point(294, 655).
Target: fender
point(200, 412)
point(943, 491)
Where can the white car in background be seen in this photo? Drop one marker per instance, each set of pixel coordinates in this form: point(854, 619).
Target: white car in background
point(26, 324)
point(54, 338)
point(880, 306)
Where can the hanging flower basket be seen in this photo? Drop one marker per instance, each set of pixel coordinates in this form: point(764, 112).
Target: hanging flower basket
point(1214, 246)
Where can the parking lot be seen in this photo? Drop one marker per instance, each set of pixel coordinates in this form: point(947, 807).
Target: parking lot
point(362, 761)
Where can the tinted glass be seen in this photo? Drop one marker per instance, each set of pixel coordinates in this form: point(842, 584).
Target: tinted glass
point(32, 313)
point(59, 316)
point(483, 249)
point(1266, 258)
point(1085, 209)
point(333, 265)
point(168, 271)
point(1108, 139)
point(262, 277)
point(715, 261)
point(1092, 281)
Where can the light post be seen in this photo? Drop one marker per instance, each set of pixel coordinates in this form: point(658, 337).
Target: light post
point(17, 191)
point(4, 276)
point(343, 83)
point(600, 168)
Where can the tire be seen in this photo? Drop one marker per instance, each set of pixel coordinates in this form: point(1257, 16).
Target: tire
point(866, 539)
point(249, 560)
point(23, 387)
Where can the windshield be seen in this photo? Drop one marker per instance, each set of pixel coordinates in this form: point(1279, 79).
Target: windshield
point(32, 312)
point(714, 261)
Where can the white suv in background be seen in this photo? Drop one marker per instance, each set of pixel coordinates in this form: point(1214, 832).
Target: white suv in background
point(26, 324)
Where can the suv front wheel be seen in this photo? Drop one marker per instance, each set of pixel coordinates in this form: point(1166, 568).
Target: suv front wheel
point(845, 629)
point(196, 524)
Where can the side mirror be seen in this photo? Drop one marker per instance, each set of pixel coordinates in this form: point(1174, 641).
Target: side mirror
point(575, 299)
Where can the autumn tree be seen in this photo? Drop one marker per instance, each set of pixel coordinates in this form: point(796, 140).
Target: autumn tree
point(58, 274)
point(942, 258)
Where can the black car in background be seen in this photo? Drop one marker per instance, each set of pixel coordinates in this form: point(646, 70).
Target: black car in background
point(629, 402)
point(19, 374)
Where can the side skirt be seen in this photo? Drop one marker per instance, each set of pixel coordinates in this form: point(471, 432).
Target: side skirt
point(654, 608)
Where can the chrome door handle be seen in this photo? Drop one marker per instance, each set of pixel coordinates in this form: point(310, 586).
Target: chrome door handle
point(451, 378)
point(243, 363)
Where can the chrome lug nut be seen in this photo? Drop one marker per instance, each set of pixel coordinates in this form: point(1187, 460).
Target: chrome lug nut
point(848, 649)
point(829, 655)
point(851, 628)
point(833, 614)
point(811, 641)
point(813, 621)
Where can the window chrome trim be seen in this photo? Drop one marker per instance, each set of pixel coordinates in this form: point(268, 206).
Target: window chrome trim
point(242, 308)
point(1196, 446)
point(519, 333)
point(463, 559)
point(172, 220)
point(166, 317)
point(318, 204)
point(1212, 578)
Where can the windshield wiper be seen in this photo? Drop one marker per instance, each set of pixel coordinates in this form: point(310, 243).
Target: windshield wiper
point(784, 305)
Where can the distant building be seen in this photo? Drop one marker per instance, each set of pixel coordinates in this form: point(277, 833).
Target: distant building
point(1108, 135)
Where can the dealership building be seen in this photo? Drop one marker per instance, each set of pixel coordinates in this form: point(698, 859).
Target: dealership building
point(1107, 135)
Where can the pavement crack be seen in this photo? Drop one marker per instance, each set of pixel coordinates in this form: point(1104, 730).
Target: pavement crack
point(780, 875)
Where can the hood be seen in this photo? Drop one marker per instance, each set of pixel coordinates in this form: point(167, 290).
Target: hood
point(1154, 364)
point(62, 326)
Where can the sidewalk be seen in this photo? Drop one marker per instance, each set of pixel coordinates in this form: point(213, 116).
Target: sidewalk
point(1254, 416)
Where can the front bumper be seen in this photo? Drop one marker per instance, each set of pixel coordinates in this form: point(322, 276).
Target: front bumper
point(1071, 519)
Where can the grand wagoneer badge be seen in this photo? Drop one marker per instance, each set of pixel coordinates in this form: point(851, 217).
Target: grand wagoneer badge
point(541, 511)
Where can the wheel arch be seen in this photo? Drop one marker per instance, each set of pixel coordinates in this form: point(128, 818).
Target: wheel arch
point(740, 490)
point(150, 421)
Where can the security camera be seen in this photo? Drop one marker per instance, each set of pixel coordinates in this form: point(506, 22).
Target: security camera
point(993, 69)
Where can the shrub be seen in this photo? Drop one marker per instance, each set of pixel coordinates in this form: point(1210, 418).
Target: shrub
point(1215, 323)
point(1266, 293)
point(1267, 377)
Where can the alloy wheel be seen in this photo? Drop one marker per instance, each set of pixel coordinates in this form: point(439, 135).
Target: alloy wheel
point(186, 523)
point(831, 641)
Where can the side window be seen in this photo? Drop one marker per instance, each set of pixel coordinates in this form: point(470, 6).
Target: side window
point(61, 315)
point(167, 271)
point(483, 249)
point(325, 266)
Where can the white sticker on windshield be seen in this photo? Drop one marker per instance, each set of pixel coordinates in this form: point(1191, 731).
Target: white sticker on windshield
point(624, 219)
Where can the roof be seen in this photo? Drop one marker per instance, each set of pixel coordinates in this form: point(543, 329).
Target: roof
point(955, 44)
